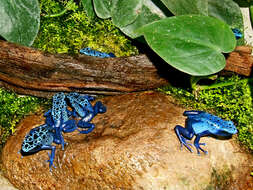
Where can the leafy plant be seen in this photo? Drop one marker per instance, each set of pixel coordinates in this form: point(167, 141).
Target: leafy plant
point(137, 17)
point(191, 43)
point(72, 31)
point(12, 109)
point(19, 21)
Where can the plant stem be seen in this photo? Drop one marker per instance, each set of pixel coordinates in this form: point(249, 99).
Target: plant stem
point(70, 5)
point(57, 14)
point(222, 84)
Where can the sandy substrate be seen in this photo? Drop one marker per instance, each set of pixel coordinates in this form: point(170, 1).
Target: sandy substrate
point(5, 184)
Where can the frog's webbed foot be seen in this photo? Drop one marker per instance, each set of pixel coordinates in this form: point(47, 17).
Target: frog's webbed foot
point(197, 144)
point(185, 143)
point(89, 127)
point(181, 132)
point(199, 148)
point(21, 154)
point(51, 162)
point(51, 156)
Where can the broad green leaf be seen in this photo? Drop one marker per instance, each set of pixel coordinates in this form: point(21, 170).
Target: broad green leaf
point(103, 8)
point(125, 12)
point(149, 13)
point(19, 20)
point(88, 8)
point(183, 7)
point(191, 43)
point(227, 11)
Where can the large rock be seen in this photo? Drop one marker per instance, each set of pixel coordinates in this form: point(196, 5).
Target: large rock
point(134, 146)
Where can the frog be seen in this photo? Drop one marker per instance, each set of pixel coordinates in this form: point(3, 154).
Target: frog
point(200, 124)
point(83, 108)
point(237, 33)
point(43, 136)
point(59, 118)
point(90, 52)
point(40, 138)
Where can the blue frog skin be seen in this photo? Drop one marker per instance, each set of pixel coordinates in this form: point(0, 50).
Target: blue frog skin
point(42, 137)
point(58, 118)
point(84, 109)
point(201, 124)
point(237, 33)
point(39, 138)
point(91, 52)
point(61, 120)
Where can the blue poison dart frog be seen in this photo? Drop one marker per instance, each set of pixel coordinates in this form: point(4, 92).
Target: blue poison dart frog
point(42, 137)
point(237, 33)
point(201, 124)
point(39, 138)
point(91, 52)
point(58, 118)
point(84, 109)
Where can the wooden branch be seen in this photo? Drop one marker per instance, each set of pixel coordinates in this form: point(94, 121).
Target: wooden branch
point(240, 61)
point(29, 71)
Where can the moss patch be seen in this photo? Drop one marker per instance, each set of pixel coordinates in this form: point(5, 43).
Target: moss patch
point(12, 109)
point(74, 30)
point(220, 179)
point(232, 103)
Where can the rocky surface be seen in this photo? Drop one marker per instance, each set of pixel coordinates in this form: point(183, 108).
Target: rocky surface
point(5, 184)
point(133, 147)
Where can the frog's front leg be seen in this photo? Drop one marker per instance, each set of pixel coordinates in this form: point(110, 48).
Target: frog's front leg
point(182, 133)
point(51, 156)
point(197, 144)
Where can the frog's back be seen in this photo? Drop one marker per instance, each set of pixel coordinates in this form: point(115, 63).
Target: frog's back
point(36, 138)
point(207, 122)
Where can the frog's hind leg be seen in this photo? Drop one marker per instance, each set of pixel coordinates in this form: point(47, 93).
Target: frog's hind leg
point(99, 108)
point(89, 127)
point(69, 126)
point(197, 144)
point(182, 133)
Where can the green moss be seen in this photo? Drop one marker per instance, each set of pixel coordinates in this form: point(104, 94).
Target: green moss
point(74, 30)
point(220, 179)
point(12, 109)
point(231, 103)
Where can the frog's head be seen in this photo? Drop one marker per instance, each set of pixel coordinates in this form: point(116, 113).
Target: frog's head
point(228, 128)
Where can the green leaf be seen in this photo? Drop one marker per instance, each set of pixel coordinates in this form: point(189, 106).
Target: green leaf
point(149, 13)
point(88, 8)
point(103, 8)
point(125, 12)
point(183, 7)
point(19, 21)
point(227, 11)
point(191, 43)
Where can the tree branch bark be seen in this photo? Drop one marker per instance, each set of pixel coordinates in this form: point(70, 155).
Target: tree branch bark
point(31, 72)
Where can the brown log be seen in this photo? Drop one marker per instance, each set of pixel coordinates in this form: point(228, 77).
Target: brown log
point(29, 71)
point(240, 61)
